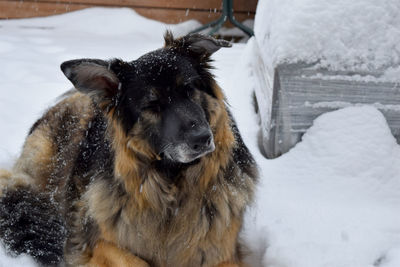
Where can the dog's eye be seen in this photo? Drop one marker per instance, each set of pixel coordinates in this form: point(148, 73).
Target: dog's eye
point(190, 91)
point(153, 106)
point(151, 102)
point(152, 96)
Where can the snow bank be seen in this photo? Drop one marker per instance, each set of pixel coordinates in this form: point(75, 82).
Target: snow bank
point(333, 199)
point(361, 35)
point(20, 261)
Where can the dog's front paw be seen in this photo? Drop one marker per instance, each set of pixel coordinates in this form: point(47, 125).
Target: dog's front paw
point(228, 264)
point(107, 254)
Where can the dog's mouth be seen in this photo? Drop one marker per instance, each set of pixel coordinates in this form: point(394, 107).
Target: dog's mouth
point(206, 151)
point(184, 154)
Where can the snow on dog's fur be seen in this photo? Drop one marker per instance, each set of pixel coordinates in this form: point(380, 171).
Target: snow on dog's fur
point(142, 165)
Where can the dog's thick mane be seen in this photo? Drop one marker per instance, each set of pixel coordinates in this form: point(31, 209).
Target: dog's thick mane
point(136, 167)
point(133, 156)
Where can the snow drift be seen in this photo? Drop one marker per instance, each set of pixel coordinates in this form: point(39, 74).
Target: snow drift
point(332, 200)
point(358, 35)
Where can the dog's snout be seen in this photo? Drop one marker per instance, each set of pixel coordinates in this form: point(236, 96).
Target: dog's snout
point(200, 140)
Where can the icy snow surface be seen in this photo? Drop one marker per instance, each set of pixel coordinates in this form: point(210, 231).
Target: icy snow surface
point(361, 35)
point(332, 201)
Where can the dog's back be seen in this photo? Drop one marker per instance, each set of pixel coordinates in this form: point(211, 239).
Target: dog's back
point(32, 208)
point(50, 150)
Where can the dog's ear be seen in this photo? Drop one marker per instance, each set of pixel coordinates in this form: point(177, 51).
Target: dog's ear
point(196, 43)
point(94, 77)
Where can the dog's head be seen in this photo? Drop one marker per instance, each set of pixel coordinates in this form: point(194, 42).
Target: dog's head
point(164, 98)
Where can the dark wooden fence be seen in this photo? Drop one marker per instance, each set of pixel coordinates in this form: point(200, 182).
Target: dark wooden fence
point(169, 11)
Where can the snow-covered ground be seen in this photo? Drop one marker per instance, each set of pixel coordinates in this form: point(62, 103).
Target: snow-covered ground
point(332, 201)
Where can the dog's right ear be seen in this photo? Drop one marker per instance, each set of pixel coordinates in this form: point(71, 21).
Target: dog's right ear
point(196, 43)
point(94, 77)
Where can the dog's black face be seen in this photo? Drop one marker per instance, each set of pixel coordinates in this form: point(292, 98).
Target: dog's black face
point(163, 90)
point(163, 97)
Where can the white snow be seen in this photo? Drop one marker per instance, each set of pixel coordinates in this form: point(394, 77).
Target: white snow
point(20, 261)
point(332, 201)
point(360, 35)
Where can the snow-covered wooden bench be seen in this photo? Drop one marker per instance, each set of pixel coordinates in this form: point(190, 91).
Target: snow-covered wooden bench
point(300, 94)
point(316, 56)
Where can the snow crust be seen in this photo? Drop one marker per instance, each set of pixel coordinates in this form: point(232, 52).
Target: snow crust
point(332, 201)
point(359, 35)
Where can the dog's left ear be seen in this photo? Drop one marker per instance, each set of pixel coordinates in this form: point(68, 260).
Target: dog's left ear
point(95, 77)
point(196, 43)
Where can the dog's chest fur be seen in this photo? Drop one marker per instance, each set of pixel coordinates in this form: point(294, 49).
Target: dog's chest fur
point(181, 234)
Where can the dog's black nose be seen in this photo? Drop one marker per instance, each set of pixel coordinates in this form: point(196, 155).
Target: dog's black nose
point(200, 140)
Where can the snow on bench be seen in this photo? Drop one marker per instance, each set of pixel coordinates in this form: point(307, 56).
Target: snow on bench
point(314, 56)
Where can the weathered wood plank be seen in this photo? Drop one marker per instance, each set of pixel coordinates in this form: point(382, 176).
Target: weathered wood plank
point(176, 16)
point(18, 9)
point(192, 4)
point(169, 14)
point(311, 90)
point(239, 5)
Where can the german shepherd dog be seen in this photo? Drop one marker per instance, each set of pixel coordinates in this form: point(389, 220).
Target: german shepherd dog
point(140, 165)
